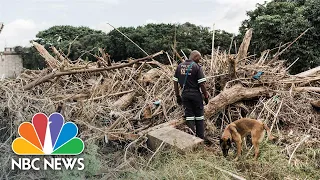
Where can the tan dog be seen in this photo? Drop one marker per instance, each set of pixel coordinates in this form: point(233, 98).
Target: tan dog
point(239, 129)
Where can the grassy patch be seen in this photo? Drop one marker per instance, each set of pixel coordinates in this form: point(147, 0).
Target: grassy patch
point(272, 164)
point(91, 162)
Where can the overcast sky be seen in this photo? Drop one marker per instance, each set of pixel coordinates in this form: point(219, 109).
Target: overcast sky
point(24, 18)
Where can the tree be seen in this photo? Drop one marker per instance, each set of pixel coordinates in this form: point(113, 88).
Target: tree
point(281, 21)
point(31, 59)
point(79, 39)
point(84, 42)
point(156, 37)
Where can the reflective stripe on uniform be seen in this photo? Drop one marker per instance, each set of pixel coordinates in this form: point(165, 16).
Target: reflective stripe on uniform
point(190, 118)
point(200, 118)
point(175, 79)
point(202, 80)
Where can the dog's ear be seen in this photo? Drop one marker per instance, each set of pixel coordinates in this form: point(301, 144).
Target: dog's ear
point(229, 141)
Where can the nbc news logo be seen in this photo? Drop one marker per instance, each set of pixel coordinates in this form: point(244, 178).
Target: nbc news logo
point(47, 136)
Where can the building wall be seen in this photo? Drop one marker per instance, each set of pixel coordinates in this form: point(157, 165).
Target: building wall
point(10, 65)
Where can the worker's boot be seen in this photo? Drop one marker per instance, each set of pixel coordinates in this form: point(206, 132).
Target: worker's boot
point(191, 125)
point(200, 128)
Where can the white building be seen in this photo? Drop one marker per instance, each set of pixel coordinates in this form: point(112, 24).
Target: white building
point(10, 64)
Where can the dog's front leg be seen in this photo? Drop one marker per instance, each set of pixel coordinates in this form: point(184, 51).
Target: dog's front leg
point(256, 150)
point(239, 148)
point(256, 136)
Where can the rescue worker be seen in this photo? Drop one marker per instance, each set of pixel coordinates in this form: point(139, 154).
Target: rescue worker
point(190, 77)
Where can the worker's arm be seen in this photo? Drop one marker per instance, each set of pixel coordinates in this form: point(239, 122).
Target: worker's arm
point(202, 82)
point(204, 90)
point(176, 88)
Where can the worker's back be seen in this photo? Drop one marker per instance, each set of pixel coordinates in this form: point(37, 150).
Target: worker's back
point(195, 75)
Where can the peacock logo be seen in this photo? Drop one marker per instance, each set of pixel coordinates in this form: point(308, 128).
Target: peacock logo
point(48, 136)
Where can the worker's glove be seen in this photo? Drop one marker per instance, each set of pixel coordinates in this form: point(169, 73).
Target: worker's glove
point(206, 100)
point(179, 100)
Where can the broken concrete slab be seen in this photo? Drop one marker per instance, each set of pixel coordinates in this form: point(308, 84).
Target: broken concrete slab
point(173, 138)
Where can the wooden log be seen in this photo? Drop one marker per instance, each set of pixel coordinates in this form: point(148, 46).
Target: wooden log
point(114, 124)
point(54, 74)
point(314, 89)
point(51, 61)
point(77, 97)
point(263, 57)
point(112, 136)
point(177, 54)
point(121, 93)
point(56, 52)
point(309, 72)
point(234, 94)
point(316, 105)
point(232, 67)
point(243, 50)
point(124, 101)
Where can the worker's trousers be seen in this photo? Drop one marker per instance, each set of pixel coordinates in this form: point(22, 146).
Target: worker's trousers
point(193, 109)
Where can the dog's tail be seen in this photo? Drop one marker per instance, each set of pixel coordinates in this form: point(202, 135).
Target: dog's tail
point(270, 136)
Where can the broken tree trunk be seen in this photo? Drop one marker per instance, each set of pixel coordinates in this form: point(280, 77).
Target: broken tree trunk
point(309, 72)
point(56, 52)
point(234, 94)
point(177, 54)
point(232, 67)
point(243, 50)
point(105, 56)
point(54, 74)
point(51, 61)
point(314, 89)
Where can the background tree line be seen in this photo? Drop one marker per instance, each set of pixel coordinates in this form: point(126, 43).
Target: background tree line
point(273, 23)
point(84, 42)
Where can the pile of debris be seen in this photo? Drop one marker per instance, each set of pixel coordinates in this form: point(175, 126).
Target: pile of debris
point(124, 101)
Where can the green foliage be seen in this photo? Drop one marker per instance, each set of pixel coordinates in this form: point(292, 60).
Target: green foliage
point(281, 21)
point(31, 59)
point(63, 33)
point(155, 37)
point(82, 39)
point(151, 37)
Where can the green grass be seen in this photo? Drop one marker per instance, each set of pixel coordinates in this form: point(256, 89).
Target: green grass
point(202, 164)
point(91, 162)
point(272, 164)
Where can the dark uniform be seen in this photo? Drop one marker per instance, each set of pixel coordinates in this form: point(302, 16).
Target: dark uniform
point(191, 96)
